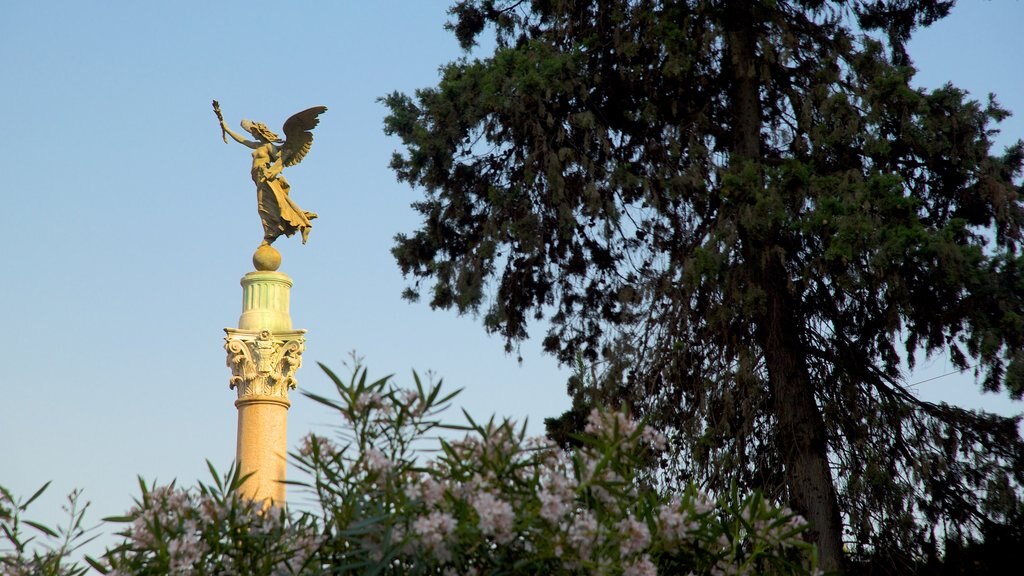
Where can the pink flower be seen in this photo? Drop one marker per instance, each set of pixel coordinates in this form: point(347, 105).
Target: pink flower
point(429, 490)
point(185, 553)
point(654, 439)
point(367, 400)
point(582, 534)
point(434, 531)
point(433, 491)
point(553, 506)
point(321, 445)
point(636, 535)
point(607, 423)
point(702, 504)
point(641, 567)
point(409, 397)
point(376, 461)
point(673, 523)
point(496, 516)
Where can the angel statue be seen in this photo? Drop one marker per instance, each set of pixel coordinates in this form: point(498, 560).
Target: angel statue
point(270, 155)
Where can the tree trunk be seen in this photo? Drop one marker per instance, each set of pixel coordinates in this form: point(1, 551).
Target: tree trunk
point(799, 429)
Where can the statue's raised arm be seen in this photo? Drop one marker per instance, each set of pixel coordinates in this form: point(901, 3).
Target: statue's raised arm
point(278, 212)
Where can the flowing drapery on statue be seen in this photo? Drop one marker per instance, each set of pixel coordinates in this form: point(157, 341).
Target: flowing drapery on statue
point(270, 155)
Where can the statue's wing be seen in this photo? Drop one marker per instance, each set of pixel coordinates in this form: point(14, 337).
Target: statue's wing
point(298, 134)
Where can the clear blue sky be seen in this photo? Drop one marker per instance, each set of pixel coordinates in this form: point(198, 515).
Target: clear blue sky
point(128, 223)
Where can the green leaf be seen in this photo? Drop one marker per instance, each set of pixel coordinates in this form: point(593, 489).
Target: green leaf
point(119, 519)
point(330, 374)
point(97, 565)
point(37, 494)
point(42, 528)
point(213, 473)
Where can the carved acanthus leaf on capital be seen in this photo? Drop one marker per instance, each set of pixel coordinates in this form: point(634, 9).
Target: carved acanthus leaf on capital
point(263, 363)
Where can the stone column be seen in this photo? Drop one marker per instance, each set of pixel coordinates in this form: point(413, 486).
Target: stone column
point(263, 354)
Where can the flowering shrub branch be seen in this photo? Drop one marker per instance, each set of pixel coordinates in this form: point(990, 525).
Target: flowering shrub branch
point(211, 530)
point(44, 551)
point(401, 491)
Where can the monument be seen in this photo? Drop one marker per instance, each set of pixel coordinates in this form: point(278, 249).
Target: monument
point(264, 351)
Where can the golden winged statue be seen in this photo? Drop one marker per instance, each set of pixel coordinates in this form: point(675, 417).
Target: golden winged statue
point(270, 155)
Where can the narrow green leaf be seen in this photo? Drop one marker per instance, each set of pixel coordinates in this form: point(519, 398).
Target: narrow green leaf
point(96, 565)
point(42, 528)
point(36, 495)
point(330, 374)
point(213, 472)
point(118, 519)
point(12, 537)
point(323, 400)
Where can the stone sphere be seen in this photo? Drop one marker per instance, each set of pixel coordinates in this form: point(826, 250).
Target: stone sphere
point(266, 258)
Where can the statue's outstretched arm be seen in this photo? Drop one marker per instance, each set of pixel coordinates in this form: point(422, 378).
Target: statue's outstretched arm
point(237, 138)
point(225, 130)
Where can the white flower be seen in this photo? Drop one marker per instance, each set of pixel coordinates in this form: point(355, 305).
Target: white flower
point(409, 397)
point(636, 535)
point(702, 504)
point(304, 547)
point(582, 534)
point(433, 491)
point(434, 530)
point(641, 567)
point(428, 489)
point(312, 443)
point(496, 516)
point(415, 403)
point(540, 443)
point(140, 532)
point(185, 554)
point(553, 506)
point(673, 524)
point(797, 521)
point(376, 461)
point(607, 423)
point(654, 439)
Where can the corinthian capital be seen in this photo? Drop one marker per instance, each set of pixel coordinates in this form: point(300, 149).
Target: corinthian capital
point(263, 363)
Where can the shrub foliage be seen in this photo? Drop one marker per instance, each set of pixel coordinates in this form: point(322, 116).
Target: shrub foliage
point(398, 490)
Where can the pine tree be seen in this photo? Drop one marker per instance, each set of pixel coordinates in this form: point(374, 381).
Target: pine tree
point(748, 204)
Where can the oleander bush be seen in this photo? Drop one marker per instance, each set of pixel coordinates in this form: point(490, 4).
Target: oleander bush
point(395, 489)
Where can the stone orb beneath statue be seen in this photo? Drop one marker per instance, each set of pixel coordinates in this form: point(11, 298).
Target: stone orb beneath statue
point(266, 258)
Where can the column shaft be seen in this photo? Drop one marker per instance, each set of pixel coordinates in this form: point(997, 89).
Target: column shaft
point(263, 354)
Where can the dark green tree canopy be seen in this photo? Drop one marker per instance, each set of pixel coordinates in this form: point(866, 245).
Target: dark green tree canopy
point(747, 209)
